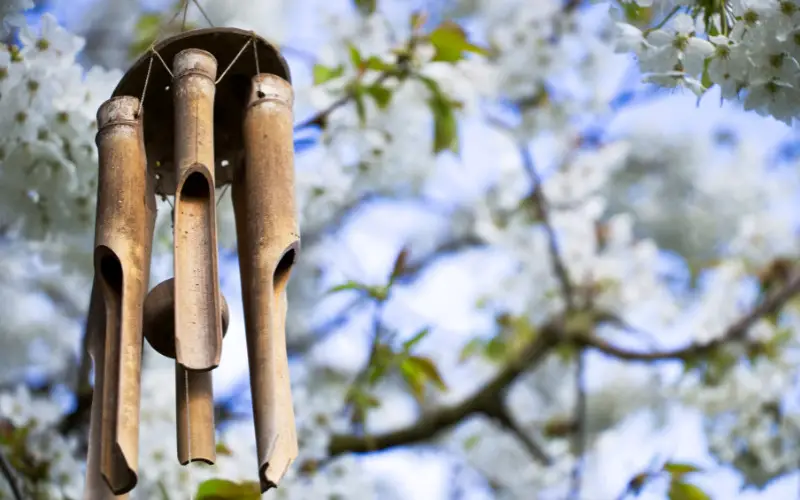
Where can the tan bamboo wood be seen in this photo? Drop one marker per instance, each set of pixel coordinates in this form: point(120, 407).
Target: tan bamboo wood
point(123, 242)
point(268, 241)
point(96, 487)
point(198, 331)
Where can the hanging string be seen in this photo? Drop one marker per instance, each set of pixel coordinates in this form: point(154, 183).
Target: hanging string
point(255, 51)
point(144, 88)
point(185, 11)
point(241, 51)
point(203, 12)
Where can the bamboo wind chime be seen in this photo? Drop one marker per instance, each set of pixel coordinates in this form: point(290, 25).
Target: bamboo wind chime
point(199, 131)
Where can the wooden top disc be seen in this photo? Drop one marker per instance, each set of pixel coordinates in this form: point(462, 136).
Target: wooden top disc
point(229, 104)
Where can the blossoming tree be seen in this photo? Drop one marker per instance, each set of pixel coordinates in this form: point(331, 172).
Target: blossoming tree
point(557, 283)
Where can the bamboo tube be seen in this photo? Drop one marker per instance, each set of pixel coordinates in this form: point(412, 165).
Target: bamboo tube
point(123, 242)
point(96, 487)
point(198, 332)
point(268, 240)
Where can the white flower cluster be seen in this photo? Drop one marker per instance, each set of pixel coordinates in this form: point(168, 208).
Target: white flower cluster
point(749, 48)
point(28, 422)
point(48, 165)
point(11, 14)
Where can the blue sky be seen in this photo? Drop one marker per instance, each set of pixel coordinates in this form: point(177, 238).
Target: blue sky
point(379, 242)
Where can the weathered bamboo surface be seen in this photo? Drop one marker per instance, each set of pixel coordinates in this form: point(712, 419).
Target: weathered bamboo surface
point(198, 331)
point(268, 240)
point(123, 242)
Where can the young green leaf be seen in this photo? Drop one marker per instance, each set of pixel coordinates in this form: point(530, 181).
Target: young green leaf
point(678, 470)
point(679, 490)
point(361, 108)
point(414, 378)
point(382, 95)
point(324, 74)
point(428, 369)
point(450, 42)
point(471, 442)
point(221, 489)
point(445, 126)
point(355, 56)
point(470, 349)
point(376, 64)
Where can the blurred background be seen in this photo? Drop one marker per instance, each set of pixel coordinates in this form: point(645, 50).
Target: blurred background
point(450, 223)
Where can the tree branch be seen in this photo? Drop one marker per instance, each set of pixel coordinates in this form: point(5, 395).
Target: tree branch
point(542, 212)
point(734, 333)
point(499, 412)
point(550, 336)
point(482, 401)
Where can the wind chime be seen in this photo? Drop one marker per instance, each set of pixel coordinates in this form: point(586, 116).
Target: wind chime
point(201, 129)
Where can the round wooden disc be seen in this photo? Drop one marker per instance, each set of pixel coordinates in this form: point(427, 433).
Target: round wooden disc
point(158, 320)
point(229, 103)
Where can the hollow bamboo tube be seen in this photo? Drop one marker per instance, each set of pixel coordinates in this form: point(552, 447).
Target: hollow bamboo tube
point(194, 405)
point(123, 242)
point(198, 332)
point(96, 487)
point(268, 240)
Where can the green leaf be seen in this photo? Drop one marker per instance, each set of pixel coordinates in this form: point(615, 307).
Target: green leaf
point(471, 442)
point(428, 368)
point(383, 357)
point(678, 470)
point(445, 126)
point(495, 349)
point(366, 7)
point(382, 95)
point(221, 489)
point(706, 79)
point(445, 129)
point(471, 348)
point(417, 21)
point(375, 63)
point(410, 343)
point(679, 490)
point(450, 42)
point(637, 15)
point(355, 56)
point(222, 449)
point(361, 109)
point(414, 378)
point(324, 74)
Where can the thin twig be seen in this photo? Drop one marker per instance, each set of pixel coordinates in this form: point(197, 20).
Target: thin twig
point(11, 478)
point(543, 213)
point(579, 437)
point(734, 333)
point(321, 117)
point(499, 412)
